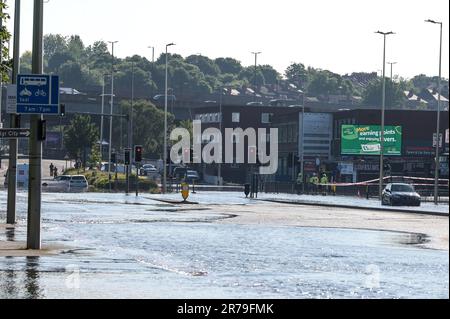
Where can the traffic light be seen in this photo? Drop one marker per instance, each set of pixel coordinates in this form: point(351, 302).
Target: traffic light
point(138, 153)
point(42, 130)
point(62, 109)
point(127, 157)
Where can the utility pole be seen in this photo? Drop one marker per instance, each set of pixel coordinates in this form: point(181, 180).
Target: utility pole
point(438, 121)
point(256, 66)
point(111, 111)
point(34, 183)
point(101, 118)
point(383, 108)
point(392, 74)
point(14, 123)
point(130, 130)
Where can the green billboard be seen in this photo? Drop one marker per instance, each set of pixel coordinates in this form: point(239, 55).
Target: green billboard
point(365, 140)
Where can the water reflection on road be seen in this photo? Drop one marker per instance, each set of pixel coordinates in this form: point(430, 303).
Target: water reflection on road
point(123, 247)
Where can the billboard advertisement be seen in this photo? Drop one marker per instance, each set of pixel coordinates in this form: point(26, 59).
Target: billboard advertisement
point(365, 140)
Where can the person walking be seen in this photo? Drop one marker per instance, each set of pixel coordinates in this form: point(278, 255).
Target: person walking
point(51, 167)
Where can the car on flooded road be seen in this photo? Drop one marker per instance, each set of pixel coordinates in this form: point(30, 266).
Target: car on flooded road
point(400, 194)
point(66, 183)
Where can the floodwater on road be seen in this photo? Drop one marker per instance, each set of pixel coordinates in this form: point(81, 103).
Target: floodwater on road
point(128, 247)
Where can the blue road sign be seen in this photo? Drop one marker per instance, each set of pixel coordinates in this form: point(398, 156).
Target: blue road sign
point(37, 94)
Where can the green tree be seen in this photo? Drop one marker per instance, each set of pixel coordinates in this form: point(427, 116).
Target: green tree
point(297, 74)
point(148, 126)
point(395, 96)
point(4, 38)
point(205, 64)
point(25, 62)
point(229, 65)
point(80, 137)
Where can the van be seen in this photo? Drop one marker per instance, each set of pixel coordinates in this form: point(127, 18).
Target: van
point(22, 176)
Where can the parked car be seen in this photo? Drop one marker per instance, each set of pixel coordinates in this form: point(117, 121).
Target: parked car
point(179, 172)
point(192, 176)
point(400, 194)
point(148, 169)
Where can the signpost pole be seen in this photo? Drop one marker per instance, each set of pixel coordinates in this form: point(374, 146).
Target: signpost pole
point(34, 187)
point(14, 121)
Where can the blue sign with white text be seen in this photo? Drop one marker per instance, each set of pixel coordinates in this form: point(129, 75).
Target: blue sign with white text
point(37, 94)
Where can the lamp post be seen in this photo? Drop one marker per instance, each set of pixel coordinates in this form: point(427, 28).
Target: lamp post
point(153, 65)
point(391, 64)
point(14, 120)
point(302, 161)
point(438, 121)
point(165, 124)
point(256, 65)
point(383, 107)
point(111, 117)
point(102, 118)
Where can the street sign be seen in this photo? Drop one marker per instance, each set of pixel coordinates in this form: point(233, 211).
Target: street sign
point(11, 99)
point(12, 133)
point(37, 94)
point(434, 139)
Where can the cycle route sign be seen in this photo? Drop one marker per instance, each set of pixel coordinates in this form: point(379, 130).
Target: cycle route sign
point(37, 94)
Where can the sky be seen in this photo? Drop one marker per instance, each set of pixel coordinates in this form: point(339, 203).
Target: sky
point(327, 34)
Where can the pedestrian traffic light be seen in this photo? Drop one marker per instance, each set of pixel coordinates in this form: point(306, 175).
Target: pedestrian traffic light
point(138, 153)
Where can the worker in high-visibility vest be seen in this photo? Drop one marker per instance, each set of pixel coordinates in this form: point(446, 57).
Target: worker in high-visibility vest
point(299, 183)
point(323, 182)
point(315, 183)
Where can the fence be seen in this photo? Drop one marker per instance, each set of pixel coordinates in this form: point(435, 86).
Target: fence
point(367, 189)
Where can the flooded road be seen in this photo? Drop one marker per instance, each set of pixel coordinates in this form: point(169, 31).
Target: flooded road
point(127, 247)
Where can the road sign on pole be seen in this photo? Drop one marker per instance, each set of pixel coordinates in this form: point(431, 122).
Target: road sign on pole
point(12, 133)
point(37, 94)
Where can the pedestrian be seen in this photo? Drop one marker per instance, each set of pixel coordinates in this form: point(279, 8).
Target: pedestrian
point(55, 172)
point(299, 183)
point(324, 182)
point(51, 167)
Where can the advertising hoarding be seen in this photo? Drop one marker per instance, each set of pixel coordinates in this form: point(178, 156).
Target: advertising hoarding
point(365, 140)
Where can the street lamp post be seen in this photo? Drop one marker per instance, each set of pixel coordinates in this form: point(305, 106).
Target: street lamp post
point(438, 121)
point(111, 111)
point(383, 107)
point(391, 64)
point(256, 65)
point(165, 124)
point(302, 161)
point(102, 118)
point(153, 66)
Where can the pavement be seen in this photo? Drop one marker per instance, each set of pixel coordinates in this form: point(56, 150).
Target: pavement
point(355, 203)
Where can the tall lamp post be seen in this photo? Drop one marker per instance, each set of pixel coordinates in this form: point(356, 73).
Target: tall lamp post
point(392, 74)
point(438, 122)
point(383, 107)
point(111, 117)
point(165, 124)
point(256, 65)
point(153, 65)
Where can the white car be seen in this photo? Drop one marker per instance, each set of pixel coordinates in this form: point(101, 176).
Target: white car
point(66, 183)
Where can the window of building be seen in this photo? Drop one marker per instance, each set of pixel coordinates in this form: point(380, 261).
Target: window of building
point(265, 118)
